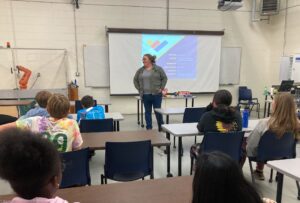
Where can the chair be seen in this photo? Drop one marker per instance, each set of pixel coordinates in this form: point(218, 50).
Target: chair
point(127, 161)
point(270, 147)
point(78, 105)
point(97, 125)
point(76, 171)
point(229, 143)
point(192, 115)
point(245, 99)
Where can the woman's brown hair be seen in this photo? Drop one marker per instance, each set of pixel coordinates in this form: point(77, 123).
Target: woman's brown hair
point(283, 118)
point(152, 58)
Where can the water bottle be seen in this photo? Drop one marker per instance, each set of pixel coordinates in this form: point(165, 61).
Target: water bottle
point(245, 118)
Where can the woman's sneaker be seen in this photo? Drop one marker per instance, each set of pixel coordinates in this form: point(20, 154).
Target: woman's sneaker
point(259, 175)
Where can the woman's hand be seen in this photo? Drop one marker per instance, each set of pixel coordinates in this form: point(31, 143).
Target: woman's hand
point(164, 91)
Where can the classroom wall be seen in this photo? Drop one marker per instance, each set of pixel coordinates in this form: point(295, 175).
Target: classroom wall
point(292, 28)
point(51, 24)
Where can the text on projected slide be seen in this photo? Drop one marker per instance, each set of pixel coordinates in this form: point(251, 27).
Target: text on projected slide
point(177, 54)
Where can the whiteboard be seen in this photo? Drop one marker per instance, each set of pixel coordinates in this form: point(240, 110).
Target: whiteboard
point(48, 68)
point(96, 67)
point(230, 65)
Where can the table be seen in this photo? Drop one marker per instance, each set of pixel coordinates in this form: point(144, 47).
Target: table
point(166, 190)
point(14, 102)
point(190, 129)
point(288, 167)
point(140, 106)
point(170, 111)
point(97, 140)
point(116, 116)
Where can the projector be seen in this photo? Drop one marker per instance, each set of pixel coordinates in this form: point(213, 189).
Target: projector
point(229, 5)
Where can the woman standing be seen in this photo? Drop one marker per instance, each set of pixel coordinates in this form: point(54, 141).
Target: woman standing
point(150, 80)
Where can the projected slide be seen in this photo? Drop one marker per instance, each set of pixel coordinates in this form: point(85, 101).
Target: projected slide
point(177, 54)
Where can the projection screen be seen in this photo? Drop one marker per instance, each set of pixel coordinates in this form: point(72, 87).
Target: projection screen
point(191, 62)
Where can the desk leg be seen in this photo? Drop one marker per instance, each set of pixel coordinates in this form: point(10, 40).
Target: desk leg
point(138, 111)
point(142, 114)
point(186, 102)
point(118, 125)
point(179, 155)
point(298, 188)
point(279, 187)
point(192, 102)
point(265, 107)
point(152, 173)
point(106, 108)
point(169, 174)
point(115, 126)
point(269, 106)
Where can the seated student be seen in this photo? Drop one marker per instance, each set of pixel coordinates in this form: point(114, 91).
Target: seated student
point(220, 117)
point(283, 119)
point(31, 165)
point(41, 98)
point(90, 111)
point(59, 129)
point(219, 179)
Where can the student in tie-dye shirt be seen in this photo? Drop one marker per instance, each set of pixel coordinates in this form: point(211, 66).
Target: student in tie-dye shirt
point(59, 129)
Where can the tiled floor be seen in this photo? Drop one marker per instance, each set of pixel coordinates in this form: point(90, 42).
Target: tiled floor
point(130, 124)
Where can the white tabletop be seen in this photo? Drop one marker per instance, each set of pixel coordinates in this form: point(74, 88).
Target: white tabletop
point(288, 167)
point(171, 97)
point(116, 116)
point(170, 111)
point(190, 129)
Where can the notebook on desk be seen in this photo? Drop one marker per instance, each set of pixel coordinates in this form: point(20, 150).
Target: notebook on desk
point(286, 85)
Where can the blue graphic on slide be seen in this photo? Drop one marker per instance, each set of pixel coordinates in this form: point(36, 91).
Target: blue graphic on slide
point(177, 54)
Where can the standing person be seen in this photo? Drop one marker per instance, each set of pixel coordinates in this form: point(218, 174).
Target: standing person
point(31, 165)
point(219, 179)
point(150, 80)
point(283, 119)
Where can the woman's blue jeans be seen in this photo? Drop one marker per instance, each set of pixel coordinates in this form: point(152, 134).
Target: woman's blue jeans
point(155, 101)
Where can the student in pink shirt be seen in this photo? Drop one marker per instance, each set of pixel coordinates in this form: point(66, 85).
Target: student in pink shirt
point(32, 166)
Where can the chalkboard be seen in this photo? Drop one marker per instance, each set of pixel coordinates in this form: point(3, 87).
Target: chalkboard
point(230, 65)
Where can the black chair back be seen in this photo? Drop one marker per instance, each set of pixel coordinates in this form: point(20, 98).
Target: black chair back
point(271, 147)
point(228, 143)
point(96, 125)
point(193, 115)
point(126, 161)
point(76, 171)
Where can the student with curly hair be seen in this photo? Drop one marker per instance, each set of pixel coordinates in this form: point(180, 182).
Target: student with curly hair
point(32, 166)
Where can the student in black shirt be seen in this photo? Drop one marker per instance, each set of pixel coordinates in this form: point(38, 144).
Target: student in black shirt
point(220, 117)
